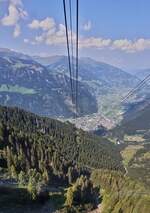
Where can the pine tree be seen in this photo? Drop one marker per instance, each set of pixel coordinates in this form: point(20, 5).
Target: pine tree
point(69, 197)
point(22, 178)
point(32, 188)
point(45, 176)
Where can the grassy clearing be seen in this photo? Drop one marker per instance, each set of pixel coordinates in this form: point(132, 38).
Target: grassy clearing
point(17, 89)
point(139, 165)
point(134, 138)
point(121, 194)
point(129, 152)
point(146, 156)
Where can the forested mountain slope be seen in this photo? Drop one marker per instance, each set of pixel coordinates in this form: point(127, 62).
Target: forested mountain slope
point(27, 84)
point(45, 89)
point(140, 123)
point(133, 137)
point(39, 148)
point(121, 194)
point(106, 82)
point(47, 144)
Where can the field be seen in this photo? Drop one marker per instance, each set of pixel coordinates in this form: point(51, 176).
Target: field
point(129, 152)
point(17, 89)
point(136, 159)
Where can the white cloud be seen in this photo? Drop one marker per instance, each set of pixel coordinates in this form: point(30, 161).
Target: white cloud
point(126, 45)
point(87, 26)
point(56, 35)
point(15, 14)
point(53, 34)
point(93, 42)
point(17, 31)
point(26, 40)
point(16, 2)
point(142, 44)
point(12, 18)
point(45, 24)
point(131, 46)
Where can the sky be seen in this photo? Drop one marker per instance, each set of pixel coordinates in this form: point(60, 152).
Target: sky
point(112, 31)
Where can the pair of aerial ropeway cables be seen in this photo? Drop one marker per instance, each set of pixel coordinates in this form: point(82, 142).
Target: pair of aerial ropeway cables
point(72, 41)
point(73, 72)
point(133, 91)
point(140, 85)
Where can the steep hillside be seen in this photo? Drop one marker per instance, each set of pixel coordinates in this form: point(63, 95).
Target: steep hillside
point(139, 124)
point(141, 74)
point(121, 193)
point(34, 148)
point(135, 108)
point(107, 83)
point(96, 72)
point(90, 69)
point(54, 144)
point(6, 53)
point(139, 164)
point(46, 90)
point(41, 159)
point(133, 137)
point(27, 84)
point(46, 60)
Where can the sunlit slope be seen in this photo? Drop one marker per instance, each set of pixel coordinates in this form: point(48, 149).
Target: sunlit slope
point(42, 143)
point(27, 84)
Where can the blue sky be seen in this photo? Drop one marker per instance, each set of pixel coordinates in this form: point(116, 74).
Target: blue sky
point(113, 31)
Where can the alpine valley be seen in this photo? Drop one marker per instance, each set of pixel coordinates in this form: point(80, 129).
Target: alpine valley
point(47, 165)
point(42, 85)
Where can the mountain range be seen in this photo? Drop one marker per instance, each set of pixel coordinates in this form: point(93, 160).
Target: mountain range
point(107, 83)
point(41, 85)
point(141, 74)
point(28, 84)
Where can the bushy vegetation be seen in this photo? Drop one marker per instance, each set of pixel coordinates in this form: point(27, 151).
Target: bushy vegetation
point(28, 141)
point(121, 193)
point(139, 165)
point(81, 193)
point(37, 152)
point(134, 133)
point(129, 152)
